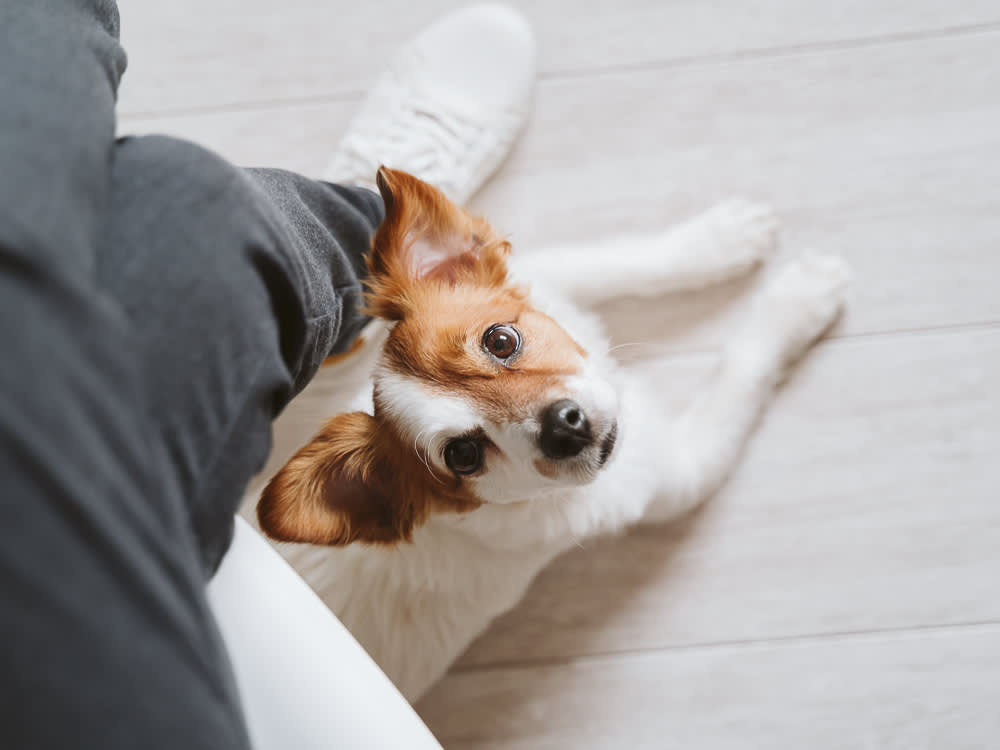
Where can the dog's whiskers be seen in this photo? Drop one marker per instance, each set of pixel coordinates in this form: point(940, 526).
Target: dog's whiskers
point(564, 506)
point(424, 457)
point(630, 343)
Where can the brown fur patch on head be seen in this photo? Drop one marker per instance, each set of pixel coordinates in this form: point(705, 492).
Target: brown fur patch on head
point(424, 241)
point(440, 343)
point(355, 481)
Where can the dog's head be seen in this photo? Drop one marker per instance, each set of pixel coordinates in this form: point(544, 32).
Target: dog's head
point(479, 397)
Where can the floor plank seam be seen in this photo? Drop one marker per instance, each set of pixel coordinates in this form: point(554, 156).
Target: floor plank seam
point(667, 354)
point(256, 105)
point(845, 636)
point(778, 52)
point(692, 61)
point(917, 331)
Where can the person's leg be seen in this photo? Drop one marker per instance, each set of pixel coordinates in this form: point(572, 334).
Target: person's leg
point(236, 284)
point(60, 64)
point(105, 636)
point(139, 405)
point(95, 600)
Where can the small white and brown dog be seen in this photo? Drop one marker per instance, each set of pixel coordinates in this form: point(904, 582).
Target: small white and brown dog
point(503, 432)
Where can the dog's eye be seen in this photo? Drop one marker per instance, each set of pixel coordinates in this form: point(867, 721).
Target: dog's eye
point(502, 341)
point(463, 456)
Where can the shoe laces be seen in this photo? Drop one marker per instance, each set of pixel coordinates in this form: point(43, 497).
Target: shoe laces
point(407, 130)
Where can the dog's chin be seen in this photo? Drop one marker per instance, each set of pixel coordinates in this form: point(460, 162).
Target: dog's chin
point(562, 474)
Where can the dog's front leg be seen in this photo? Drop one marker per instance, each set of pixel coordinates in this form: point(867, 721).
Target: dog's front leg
point(720, 244)
point(795, 308)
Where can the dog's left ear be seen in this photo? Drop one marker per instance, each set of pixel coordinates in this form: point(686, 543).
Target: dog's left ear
point(340, 488)
point(426, 237)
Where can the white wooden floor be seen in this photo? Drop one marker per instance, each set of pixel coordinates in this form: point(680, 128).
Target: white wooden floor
point(844, 590)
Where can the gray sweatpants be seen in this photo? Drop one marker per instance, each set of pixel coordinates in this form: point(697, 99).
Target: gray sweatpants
point(158, 308)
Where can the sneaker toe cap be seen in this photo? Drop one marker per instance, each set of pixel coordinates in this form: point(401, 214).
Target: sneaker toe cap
point(482, 59)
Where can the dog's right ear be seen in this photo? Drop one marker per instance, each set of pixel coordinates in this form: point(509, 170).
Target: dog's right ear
point(426, 237)
point(340, 488)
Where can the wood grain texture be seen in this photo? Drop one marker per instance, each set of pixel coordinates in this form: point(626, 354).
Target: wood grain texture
point(921, 691)
point(189, 55)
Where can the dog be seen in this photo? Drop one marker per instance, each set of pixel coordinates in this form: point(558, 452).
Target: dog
point(501, 431)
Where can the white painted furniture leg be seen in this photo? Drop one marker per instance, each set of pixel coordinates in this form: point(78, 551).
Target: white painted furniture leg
point(304, 681)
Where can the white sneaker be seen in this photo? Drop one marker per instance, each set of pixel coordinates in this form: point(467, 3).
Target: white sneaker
point(449, 107)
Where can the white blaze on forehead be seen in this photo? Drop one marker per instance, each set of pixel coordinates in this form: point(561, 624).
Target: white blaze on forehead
point(423, 413)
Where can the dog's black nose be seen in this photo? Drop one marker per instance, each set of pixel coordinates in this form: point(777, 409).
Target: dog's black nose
point(565, 430)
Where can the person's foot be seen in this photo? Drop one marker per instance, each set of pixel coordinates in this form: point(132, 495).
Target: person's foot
point(449, 107)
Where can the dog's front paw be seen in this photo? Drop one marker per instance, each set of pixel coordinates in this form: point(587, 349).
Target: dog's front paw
point(802, 301)
point(742, 233)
